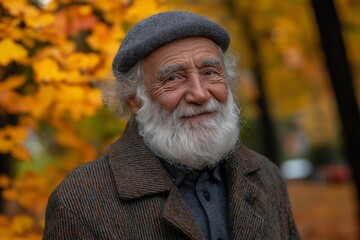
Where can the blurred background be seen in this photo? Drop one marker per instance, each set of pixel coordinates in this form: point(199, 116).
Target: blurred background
point(299, 89)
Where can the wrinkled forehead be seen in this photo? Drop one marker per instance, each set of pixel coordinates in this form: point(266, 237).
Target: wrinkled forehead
point(186, 47)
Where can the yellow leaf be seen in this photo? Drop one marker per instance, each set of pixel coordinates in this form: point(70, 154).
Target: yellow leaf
point(70, 94)
point(106, 6)
point(73, 76)
point(44, 98)
point(85, 10)
point(105, 38)
point(17, 133)
point(141, 9)
point(46, 70)
point(11, 51)
point(22, 223)
point(40, 20)
point(68, 139)
point(8, 25)
point(11, 139)
point(12, 82)
point(5, 145)
point(82, 61)
point(15, 7)
point(31, 12)
point(93, 97)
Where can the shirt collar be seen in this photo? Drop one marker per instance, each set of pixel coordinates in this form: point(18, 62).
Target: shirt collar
point(177, 174)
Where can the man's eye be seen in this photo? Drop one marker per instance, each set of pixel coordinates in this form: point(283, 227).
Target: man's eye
point(173, 78)
point(209, 73)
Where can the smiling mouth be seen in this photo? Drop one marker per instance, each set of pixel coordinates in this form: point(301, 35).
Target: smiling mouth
point(198, 116)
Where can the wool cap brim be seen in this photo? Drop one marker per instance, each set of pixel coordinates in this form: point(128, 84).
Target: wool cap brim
point(153, 32)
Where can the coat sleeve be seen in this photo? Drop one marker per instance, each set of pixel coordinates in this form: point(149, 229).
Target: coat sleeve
point(289, 218)
point(61, 223)
point(293, 232)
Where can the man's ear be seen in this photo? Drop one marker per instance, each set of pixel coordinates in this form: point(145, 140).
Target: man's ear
point(133, 103)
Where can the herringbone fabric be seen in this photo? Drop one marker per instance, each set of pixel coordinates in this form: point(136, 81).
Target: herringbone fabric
point(129, 195)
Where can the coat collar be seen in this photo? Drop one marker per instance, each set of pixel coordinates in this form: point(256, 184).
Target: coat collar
point(138, 172)
point(246, 199)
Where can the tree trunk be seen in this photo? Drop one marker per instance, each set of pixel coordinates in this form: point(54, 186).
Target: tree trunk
point(342, 82)
point(5, 159)
point(268, 137)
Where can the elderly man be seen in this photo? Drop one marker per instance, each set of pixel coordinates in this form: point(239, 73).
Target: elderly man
point(179, 170)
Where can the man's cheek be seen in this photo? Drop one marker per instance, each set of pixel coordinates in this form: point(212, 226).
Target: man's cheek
point(220, 93)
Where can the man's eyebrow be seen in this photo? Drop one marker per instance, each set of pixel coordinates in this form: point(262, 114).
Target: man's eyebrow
point(211, 62)
point(167, 70)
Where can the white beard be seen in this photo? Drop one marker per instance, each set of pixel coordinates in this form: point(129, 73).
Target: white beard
point(189, 144)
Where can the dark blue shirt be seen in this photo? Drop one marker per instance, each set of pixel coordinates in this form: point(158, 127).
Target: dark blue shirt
point(205, 193)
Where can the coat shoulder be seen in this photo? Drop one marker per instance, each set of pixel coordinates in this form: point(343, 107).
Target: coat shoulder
point(268, 174)
point(84, 184)
point(263, 162)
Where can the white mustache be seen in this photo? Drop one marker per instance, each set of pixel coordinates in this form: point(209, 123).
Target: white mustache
point(186, 111)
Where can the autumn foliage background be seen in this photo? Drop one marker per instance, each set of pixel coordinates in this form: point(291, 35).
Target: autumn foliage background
point(55, 53)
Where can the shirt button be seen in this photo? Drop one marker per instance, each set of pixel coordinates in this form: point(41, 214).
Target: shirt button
point(207, 195)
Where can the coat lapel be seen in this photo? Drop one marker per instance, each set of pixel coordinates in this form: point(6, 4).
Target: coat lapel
point(247, 202)
point(138, 173)
point(178, 215)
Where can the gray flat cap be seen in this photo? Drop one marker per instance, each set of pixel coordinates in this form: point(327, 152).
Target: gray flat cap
point(157, 30)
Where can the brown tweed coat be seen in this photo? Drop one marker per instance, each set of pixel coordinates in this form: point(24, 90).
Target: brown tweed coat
point(128, 195)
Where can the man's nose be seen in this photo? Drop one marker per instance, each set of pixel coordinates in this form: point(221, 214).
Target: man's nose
point(197, 92)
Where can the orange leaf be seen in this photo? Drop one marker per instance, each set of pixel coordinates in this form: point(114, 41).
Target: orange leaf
point(4, 181)
point(12, 82)
point(5, 145)
point(10, 194)
point(20, 153)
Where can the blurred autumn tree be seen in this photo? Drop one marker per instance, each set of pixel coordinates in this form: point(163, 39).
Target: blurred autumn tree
point(296, 85)
point(54, 52)
point(342, 81)
point(294, 82)
point(52, 55)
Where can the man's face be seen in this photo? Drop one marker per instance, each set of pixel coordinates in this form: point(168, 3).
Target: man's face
point(187, 115)
point(186, 71)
